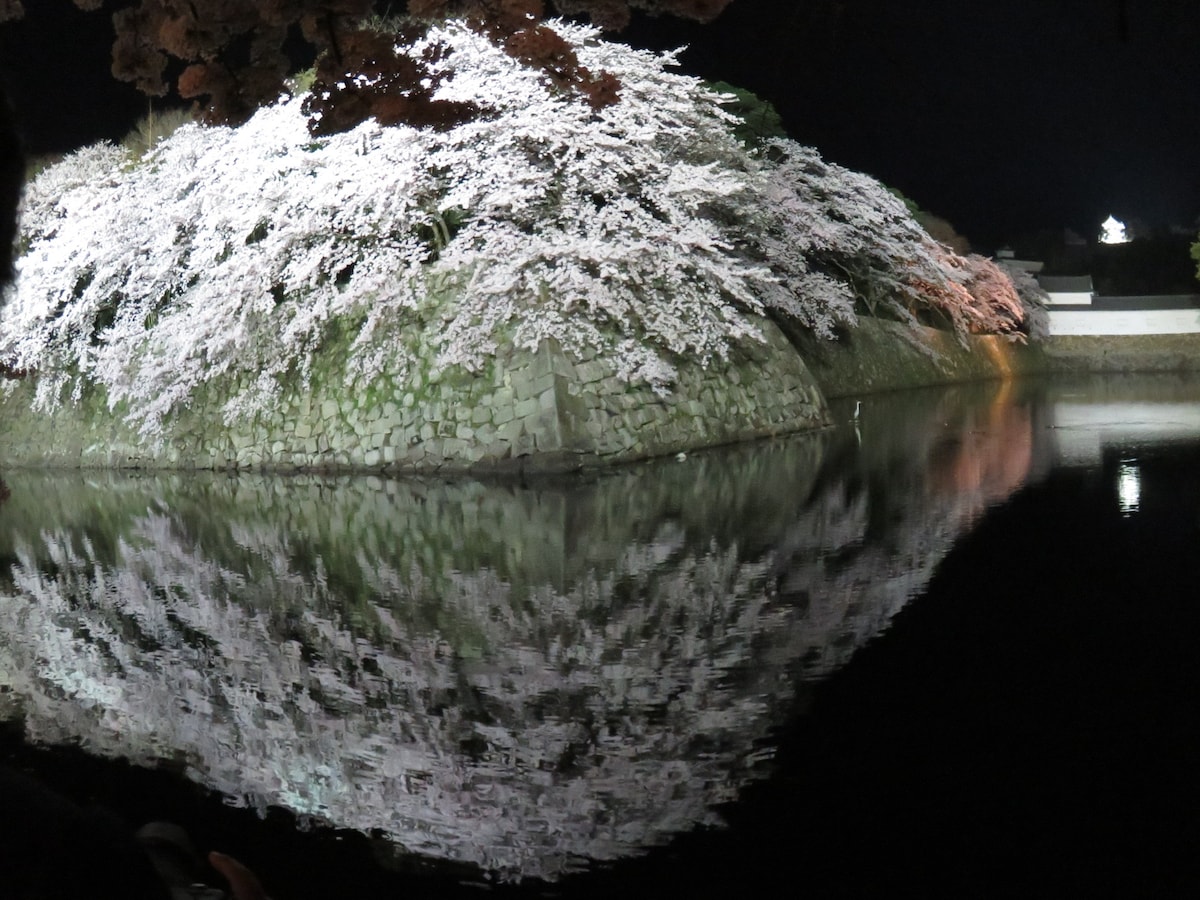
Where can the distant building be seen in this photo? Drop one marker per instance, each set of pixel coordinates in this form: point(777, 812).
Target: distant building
point(1076, 309)
point(1006, 258)
point(1113, 231)
point(1068, 290)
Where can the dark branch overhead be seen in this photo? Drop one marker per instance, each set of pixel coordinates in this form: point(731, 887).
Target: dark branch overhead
point(234, 57)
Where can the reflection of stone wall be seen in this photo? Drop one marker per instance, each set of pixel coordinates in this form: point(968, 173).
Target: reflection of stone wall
point(518, 679)
point(543, 407)
point(531, 707)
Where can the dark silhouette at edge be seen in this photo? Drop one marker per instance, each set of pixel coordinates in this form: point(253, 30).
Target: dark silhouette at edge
point(50, 847)
point(12, 170)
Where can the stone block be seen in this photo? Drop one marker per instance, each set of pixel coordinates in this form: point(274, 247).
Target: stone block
point(524, 444)
point(542, 361)
point(521, 382)
point(511, 431)
point(526, 385)
point(523, 409)
point(546, 431)
point(387, 424)
point(472, 453)
point(591, 372)
point(497, 450)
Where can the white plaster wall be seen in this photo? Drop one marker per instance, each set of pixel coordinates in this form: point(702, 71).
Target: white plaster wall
point(1070, 298)
point(1124, 321)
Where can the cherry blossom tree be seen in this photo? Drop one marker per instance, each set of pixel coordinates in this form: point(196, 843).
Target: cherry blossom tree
point(233, 252)
point(644, 230)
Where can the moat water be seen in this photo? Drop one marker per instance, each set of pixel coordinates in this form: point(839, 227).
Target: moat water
point(948, 645)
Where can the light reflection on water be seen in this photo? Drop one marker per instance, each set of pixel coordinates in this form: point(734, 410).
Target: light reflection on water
point(1129, 486)
point(524, 679)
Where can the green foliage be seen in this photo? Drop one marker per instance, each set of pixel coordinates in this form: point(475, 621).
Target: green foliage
point(1196, 256)
point(153, 128)
point(301, 83)
point(760, 120)
point(935, 226)
point(35, 165)
point(911, 205)
point(440, 228)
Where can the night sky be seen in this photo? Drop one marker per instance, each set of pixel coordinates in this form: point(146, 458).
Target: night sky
point(1005, 118)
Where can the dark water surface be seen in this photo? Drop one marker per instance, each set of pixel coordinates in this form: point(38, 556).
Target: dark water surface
point(950, 646)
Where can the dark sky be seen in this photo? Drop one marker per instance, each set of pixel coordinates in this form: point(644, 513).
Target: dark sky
point(1004, 117)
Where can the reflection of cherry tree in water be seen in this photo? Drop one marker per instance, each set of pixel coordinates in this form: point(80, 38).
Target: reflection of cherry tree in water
point(894, 495)
point(629, 691)
point(993, 457)
point(381, 660)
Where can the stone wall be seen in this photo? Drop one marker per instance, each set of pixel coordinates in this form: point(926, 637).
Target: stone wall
point(879, 355)
point(546, 411)
point(1123, 353)
point(539, 410)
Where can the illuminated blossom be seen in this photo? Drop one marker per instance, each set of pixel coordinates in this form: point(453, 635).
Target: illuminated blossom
point(641, 230)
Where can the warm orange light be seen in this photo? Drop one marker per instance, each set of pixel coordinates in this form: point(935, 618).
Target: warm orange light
point(997, 350)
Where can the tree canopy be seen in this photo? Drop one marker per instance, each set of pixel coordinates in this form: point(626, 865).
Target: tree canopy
point(643, 231)
point(231, 55)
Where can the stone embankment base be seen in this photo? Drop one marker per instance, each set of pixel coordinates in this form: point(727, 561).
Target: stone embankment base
point(882, 356)
point(1122, 353)
point(541, 410)
point(885, 356)
point(545, 411)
